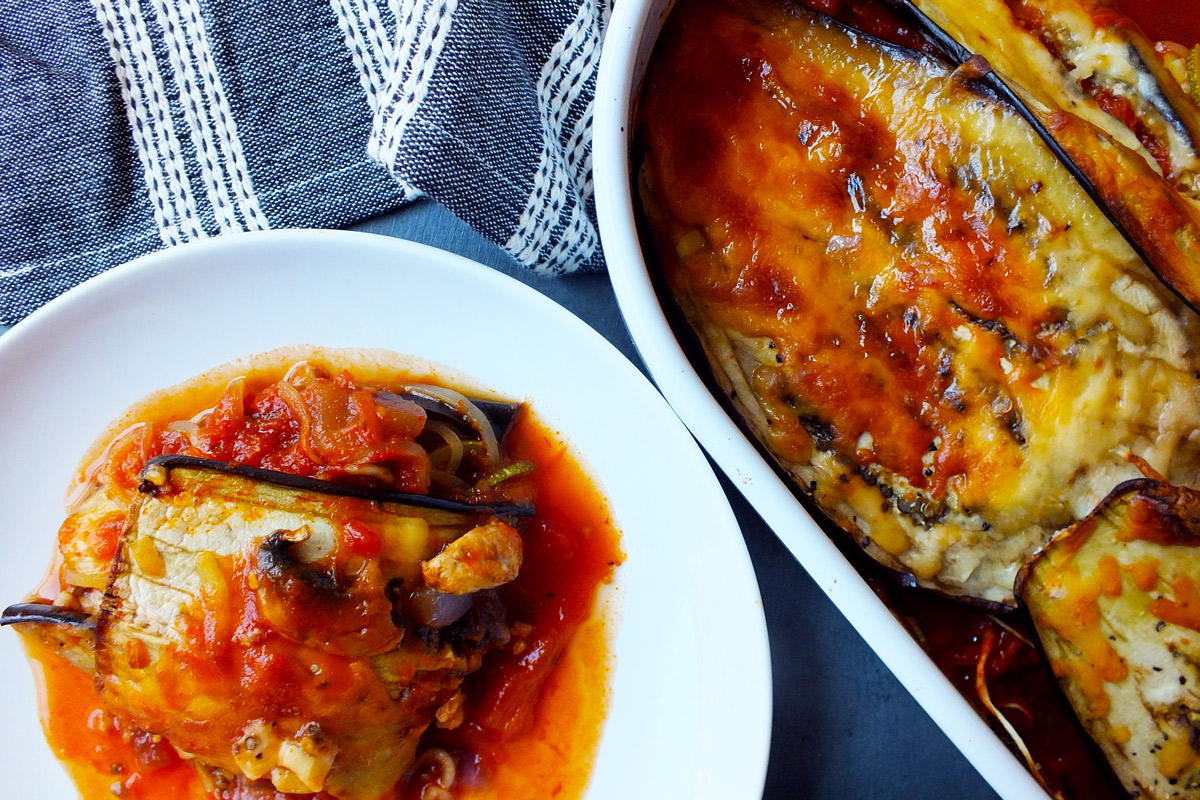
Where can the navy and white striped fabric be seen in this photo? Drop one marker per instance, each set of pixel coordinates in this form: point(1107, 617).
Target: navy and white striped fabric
point(132, 125)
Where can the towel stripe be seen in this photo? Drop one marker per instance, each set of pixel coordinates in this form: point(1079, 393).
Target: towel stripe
point(570, 67)
point(190, 87)
point(374, 41)
point(163, 134)
point(360, 52)
point(419, 44)
point(220, 116)
point(196, 115)
point(149, 119)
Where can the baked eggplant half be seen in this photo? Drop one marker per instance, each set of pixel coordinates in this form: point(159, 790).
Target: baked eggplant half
point(1115, 600)
point(226, 574)
point(903, 293)
point(1082, 57)
point(1115, 111)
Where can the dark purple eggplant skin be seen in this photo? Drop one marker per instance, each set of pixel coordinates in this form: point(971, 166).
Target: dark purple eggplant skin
point(22, 613)
point(1125, 189)
point(499, 413)
point(1179, 505)
point(174, 461)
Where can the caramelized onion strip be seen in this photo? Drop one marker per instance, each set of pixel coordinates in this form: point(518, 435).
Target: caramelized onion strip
point(477, 419)
point(187, 427)
point(290, 395)
point(987, 642)
point(453, 448)
point(78, 494)
point(439, 767)
point(449, 481)
point(375, 471)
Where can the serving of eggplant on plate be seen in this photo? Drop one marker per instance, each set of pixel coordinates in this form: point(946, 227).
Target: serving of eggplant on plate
point(314, 572)
point(937, 262)
point(304, 617)
point(192, 521)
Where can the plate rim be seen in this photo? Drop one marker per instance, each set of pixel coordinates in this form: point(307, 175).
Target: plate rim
point(25, 337)
point(741, 461)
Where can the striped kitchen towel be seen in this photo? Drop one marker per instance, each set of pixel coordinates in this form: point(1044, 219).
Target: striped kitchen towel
point(132, 125)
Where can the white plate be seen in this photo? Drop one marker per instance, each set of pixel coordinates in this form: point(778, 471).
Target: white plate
point(691, 697)
point(628, 42)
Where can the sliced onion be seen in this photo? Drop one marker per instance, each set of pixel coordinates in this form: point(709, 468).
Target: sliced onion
point(433, 609)
point(981, 691)
point(454, 445)
point(437, 764)
point(449, 481)
point(80, 492)
point(184, 426)
point(239, 383)
point(379, 473)
point(290, 395)
point(295, 368)
point(399, 403)
point(470, 412)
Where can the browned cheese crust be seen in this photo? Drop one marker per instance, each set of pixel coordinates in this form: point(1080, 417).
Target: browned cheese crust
point(1116, 603)
point(1113, 104)
point(910, 302)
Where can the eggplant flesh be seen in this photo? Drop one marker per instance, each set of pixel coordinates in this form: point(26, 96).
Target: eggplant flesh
point(1068, 55)
point(1091, 84)
point(902, 292)
point(205, 540)
point(1115, 600)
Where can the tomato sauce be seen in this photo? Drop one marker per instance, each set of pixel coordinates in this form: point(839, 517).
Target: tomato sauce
point(993, 656)
point(989, 656)
point(522, 702)
point(1165, 20)
point(533, 712)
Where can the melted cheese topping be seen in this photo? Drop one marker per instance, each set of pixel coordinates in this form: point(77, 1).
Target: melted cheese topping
point(1117, 608)
point(1052, 47)
point(907, 298)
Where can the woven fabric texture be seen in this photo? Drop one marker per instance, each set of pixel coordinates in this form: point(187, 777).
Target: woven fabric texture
point(127, 126)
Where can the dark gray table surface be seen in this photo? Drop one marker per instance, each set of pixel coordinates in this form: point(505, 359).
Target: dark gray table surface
point(843, 726)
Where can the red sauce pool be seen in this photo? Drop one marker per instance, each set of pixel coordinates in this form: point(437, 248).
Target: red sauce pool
point(533, 718)
point(1165, 20)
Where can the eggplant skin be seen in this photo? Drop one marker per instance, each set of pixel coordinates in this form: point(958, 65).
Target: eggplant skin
point(1115, 600)
point(1101, 92)
point(204, 540)
point(903, 294)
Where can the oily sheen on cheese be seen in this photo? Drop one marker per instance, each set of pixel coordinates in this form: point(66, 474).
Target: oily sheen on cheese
point(1063, 54)
point(1113, 601)
point(906, 298)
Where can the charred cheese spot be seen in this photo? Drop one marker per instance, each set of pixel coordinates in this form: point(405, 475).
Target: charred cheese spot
point(1116, 608)
point(913, 268)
